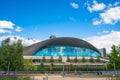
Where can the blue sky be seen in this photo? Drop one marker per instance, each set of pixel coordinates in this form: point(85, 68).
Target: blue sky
point(39, 19)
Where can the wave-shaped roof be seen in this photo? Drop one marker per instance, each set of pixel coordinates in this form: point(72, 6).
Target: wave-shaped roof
point(62, 41)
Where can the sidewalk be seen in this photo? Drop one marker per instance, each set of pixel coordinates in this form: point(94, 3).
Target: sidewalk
point(58, 77)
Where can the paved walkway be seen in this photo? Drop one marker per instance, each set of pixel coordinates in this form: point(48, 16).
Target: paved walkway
point(58, 77)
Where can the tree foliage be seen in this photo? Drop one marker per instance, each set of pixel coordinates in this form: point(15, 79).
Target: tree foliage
point(68, 59)
point(91, 59)
point(51, 59)
point(44, 59)
point(60, 59)
point(42, 64)
point(29, 65)
point(98, 59)
point(83, 59)
point(76, 59)
point(11, 55)
point(114, 57)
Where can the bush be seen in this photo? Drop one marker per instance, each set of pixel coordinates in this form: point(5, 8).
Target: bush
point(72, 68)
point(83, 59)
point(24, 78)
point(51, 59)
point(41, 64)
point(19, 78)
point(60, 59)
point(91, 59)
point(68, 59)
point(76, 60)
point(44, 59)
point(98, 59)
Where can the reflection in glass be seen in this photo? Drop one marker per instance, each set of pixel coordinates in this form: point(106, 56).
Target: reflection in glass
point(66, 51)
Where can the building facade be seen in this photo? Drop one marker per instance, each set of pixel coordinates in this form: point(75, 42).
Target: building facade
point(103, 52)
point(64, 46)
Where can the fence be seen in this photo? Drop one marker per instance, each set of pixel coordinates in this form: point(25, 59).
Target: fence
point(17, 73)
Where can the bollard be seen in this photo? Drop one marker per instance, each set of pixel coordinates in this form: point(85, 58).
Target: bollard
point(43, 78)
point(46, 77)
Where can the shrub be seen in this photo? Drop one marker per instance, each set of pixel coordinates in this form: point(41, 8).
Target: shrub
point(76, 60)
point(51, 59)
point(44, 59)
point(68, 59)
point(91, 59)
point(41, 64)
point(98, 59)
point(60, 59)
point(83, 59)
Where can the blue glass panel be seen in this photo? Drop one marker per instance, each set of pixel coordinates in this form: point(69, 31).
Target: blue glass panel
point(66, 51)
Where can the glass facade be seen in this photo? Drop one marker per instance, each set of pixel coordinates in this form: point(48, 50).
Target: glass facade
point(66, 51)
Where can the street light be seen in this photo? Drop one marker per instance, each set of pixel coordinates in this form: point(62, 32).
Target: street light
point(8, 66)
point(114, 67)
point(63, 68)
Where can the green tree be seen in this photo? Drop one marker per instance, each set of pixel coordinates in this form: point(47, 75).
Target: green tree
point(44, 59)
point(29, 65)
point(6, 42)
point(83, 59)
point(68, 59)
point(114, 57)
point(11, 55)
point(51, 59)
point(3, 63)
point(60, 59)
point(98, 59)
point(18, 62)
point(4, 53)
point(41, 64)
point(76, 59)
point(91, 59)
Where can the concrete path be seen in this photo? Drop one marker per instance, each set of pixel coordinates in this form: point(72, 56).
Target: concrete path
point(58, 77)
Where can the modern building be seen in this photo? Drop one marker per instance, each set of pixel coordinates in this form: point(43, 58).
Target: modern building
point(62, 46)
point(103, 52)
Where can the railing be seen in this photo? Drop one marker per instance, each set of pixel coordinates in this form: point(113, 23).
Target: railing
point(17, 73)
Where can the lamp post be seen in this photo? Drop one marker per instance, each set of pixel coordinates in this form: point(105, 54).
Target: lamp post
point(63, 69)
point(8, 66)
point(114, 67)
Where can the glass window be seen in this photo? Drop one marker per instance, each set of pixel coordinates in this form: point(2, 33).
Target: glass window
point(66, 51)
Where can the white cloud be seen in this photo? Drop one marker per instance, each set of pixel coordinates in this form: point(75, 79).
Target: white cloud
point(113, 5)
point(96, 6)
point(103, 32)
point(28, 42)
point(5, 31)
point(97, 22)
point(25, 42)
point(111, 16)
point(116, 3)
point(6, 24)
point(74, 5)
point(18, 29)
point(105, 41)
